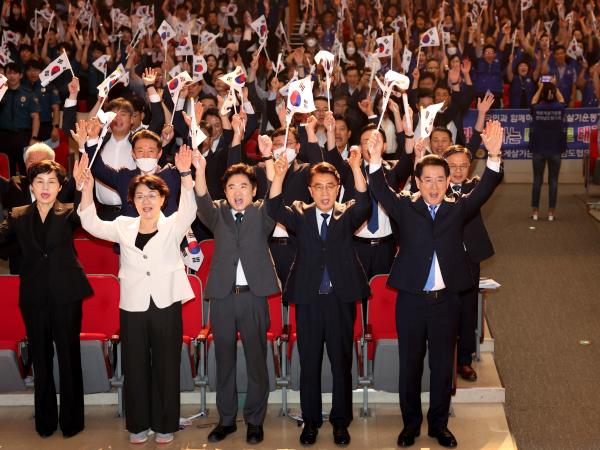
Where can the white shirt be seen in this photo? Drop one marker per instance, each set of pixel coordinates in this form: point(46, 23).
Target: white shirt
point(320, 222)
point(115, 154)
point(240, 276)
point(385, 226)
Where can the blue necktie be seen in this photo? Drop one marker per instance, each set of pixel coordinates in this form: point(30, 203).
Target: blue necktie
point(325, 281)
point(431, 277)
point(373, 224)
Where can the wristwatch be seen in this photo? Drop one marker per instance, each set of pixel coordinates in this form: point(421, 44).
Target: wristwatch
point(185, 174)
point(266, 158)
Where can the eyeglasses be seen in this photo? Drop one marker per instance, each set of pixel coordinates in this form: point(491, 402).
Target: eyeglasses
point(152, 196)
point(324, 187)
point(459, 167)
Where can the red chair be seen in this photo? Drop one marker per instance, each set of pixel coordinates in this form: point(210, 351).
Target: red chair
point(12, 336)
point(4, 165)
point(208, 247)
point(191, 312)
point(97, 256)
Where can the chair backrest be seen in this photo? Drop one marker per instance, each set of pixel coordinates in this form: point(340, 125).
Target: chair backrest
point(191, 311)
point(4, 165)
point(381, 312)
point(207, 246)
point(97, 256)
point(101, 310)
point(12, 327)
point(275, 315)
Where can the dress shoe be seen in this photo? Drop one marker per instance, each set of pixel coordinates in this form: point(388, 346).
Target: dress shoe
point(341, 436)
point(309, 434)
point(407, 436)
point(255, 434)
point(466, 372)
point(220, 432)
point(445, 438)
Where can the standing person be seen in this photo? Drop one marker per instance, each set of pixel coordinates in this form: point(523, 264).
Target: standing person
point(52, 288)
point(325, 282)
point(548, 140)
point(153, 286)
point(429, 271)
point(241, 277)
point(478, 247)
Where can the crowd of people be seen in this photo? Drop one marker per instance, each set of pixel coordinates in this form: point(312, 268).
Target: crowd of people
point(190, 118)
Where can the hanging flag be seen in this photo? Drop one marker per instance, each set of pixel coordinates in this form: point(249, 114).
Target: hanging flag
point(325, 58)
point(192, 253)
point(260, 27)
point(279, 67)
point(184, 47)
point(178, 83)
point(395, 79)
point(229, 101)
point(300, 96)
point(548, 25)
point(280, 32)
point(102, 63)
point(235, 80)
point(207, 38)
point(574, 50)
point(105, 119)
point(176, 70)
point(9, 36)
point(526, 4)
point(446, 38)
point(384, 46)
point(3, 86)
point(426, 118)
point(118, 75)
point(284, 89)
point(430, 38)
point(198, 67)
point(232, 10)
point(196, 134)
point(5, 56)
point(406, 59)
point(54, 69)
point(166, 32)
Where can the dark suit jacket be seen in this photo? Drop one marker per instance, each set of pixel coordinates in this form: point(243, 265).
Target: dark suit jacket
point(475, 236)
point(313, 254)
point(249, 243)
point(420, 235)
point(55, 272)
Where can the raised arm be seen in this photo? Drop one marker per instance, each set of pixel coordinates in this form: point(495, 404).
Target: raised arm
point(275, 207)
point(186, 212)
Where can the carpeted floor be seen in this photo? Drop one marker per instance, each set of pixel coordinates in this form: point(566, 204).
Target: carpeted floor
point(548, 303)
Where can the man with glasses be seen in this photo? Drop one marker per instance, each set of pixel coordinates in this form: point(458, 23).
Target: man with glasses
point(478, 247)
point(430, 271)
point(325, 281)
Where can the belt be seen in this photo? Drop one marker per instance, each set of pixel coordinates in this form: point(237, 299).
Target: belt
point(240, 289)
point(433, 295)
point(282, 240)
point(374, 241)
point(329, 291)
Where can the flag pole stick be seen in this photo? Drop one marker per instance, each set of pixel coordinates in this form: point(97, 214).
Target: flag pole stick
point(174, 107)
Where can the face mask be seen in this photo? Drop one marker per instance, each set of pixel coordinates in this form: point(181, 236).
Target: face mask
point(237, 38)
point(451, 51)
point(146, 164)
point(350, 51)
point(311, 42)
point(290, 153)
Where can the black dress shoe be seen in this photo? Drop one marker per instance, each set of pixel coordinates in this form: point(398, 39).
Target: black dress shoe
point(407, 436)
point(445, 438)
point(220, 432)
point(341, 436)
point(255, 434)
point(309, 434)
point(71, 433)
point(466, 372)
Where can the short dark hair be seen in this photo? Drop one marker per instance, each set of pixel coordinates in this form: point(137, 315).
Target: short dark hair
point(341, 118)
point(239, 169)
point(431, 160)
point(152, 182)
point(281, 132)
point(372, 126)
point(349, 68)
point(34, 64)
point(146, 134)
point(424, 75)
point(485, 47)
point(211, 112)
point(442, 130)
point(422, 93)
point(13, 67)
point(206, 127)
point(138, 103)
point(455, 150)
point(23, 47)
point(559, 47)
point(443, 86)
point(119, 104)
point(324, 168)
point(47, 166)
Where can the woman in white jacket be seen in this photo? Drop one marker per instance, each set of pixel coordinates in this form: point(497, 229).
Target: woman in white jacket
point(153, 286)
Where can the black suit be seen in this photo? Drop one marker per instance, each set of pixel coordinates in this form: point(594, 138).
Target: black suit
point(422, 319)
point(479, 248)
point(52, 287)
point(324, 318)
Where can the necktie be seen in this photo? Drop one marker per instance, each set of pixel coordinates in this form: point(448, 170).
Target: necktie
point(238, 218)
point(325, 281)
point(373, 224)
point(456, 189)
point(430, 283)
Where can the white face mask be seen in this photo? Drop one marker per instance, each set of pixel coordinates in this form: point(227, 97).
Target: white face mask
point(237, 38)
point(451, 51)
point(311, 42)
point(290, 153)
point(350, 51)
point(146, 164)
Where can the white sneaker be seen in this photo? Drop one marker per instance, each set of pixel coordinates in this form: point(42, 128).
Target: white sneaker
point(164, 438)
point(550, 218)
point(534, 216)
point(138, 438)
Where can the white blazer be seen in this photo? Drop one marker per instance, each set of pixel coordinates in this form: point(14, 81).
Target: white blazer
point(157, 271)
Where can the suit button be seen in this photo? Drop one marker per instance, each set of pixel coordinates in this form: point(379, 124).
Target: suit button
point(145, 256)
point(430, 258)
point(148, 273)
point(45, 255)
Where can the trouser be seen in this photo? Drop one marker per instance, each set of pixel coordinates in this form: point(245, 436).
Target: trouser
point(328, 321)
point(248, 314)
point(539, 165)
point(421, 321)
point(468, 320)
point(283, 251)
point(13, 143)
point(45, 131)
point(151, 354)
point(61, 324)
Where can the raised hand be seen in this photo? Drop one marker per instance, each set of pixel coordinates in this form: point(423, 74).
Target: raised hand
point(198, 110)
point(84, 181)
point(167, 134)
point(465, 66)
point(375, 147)
point(493, 137)
point(483, 106)
point(80, 134)
point(265, 145)
point(311, 124)
point(355, 158)
point(366, 107)
point(420, 147)
point(183, 158)
point(149, 76)
point(329, 122)
point(281, 166)
point(198, 160)
point(73, 88)
point(93, 127)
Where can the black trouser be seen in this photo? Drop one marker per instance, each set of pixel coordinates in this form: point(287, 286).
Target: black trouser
point(468, 320)
point(249, 315)
point(45, 131)
point(283, 251)
point(13, 143)
point(539, 165)
point(376, 259)
point(421, 321)
point(151, 359)
point(62, 324)
point(328, 321)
